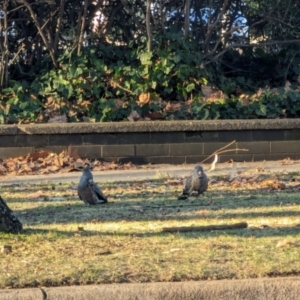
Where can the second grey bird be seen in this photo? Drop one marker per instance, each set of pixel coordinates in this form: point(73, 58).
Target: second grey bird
point(88, 191)
point(197, 182)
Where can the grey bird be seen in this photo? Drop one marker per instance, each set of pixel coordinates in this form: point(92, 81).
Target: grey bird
point(197, 182)
point(88, 191)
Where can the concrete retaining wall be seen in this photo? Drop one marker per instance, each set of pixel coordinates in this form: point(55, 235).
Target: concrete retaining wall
point(172, 142)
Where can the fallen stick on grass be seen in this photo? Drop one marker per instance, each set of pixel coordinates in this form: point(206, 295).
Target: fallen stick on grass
point(206, 228)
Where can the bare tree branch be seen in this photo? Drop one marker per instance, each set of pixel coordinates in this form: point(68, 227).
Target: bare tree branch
point(220, 40)
point(132, 13)
point(214, 26)
point(40, 30)
point(247, 46)
point(287, 69)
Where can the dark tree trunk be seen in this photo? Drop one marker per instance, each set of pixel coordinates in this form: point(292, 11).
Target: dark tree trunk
point(8, 222)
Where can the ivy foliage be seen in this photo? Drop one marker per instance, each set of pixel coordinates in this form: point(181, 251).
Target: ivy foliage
point(105, 85)
point(119, 60)
point(94, 85)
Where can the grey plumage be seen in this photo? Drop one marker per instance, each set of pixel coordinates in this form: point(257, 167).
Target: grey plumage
point(88, 191)
point(197, 182)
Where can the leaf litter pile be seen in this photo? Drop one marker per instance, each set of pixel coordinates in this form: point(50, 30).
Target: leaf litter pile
point(45, 162)
point(65, 242)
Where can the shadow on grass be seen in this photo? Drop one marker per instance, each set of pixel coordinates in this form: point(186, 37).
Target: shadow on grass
point(236, 198)
point(155, 210)
point(241, 205)
point(243, 233)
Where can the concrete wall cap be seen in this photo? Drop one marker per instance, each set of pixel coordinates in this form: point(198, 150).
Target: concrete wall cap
point(151, 126)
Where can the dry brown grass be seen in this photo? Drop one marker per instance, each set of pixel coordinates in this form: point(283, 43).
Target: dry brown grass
point(65, 242)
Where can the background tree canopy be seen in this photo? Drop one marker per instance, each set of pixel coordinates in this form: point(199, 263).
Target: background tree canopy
point(155, 59)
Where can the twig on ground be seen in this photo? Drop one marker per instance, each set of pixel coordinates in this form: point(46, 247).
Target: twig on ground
point(206, 228)
point(218, 151)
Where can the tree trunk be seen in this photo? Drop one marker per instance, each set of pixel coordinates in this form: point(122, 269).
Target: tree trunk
point(8, 222)
point(186, 18)
point(148, 26)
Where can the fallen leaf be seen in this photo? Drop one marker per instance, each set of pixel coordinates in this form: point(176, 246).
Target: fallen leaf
point(37, 155)
point(134, 116)
point(155, 115)
point(284, 243)
point(235, 184)
point(58, 161)
point(260, 169)
point(3, 170)
point(172, 106)
point(58, 119)
point(174, 249)
point(6, 249)
point(37, 194)
point(253, 179)
point(144, 98)
point(273, 185)
point(25, 168)
point(54, 168)
point(44, 172)
point(287, 161)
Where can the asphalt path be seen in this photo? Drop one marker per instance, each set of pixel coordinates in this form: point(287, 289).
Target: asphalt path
point(156, 171)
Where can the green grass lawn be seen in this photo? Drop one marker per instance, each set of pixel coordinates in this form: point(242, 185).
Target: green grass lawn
point(64, 242)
